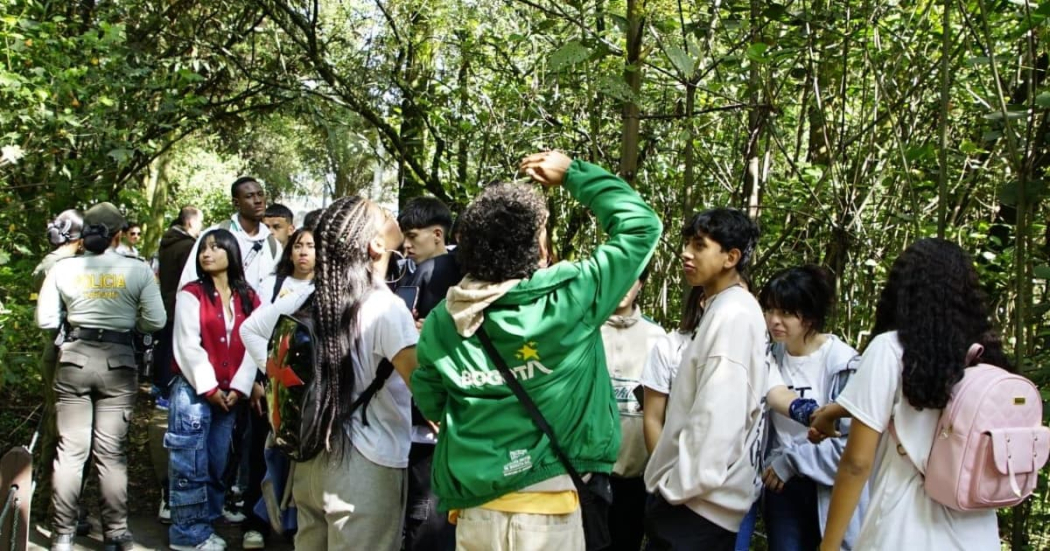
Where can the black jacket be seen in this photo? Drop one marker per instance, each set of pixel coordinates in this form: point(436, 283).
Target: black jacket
point(175, 248)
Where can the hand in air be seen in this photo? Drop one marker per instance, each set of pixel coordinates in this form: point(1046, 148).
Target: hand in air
point(548, 168)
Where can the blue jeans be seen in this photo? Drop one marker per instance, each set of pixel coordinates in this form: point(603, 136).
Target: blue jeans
point(791, 516)
point(198, 442)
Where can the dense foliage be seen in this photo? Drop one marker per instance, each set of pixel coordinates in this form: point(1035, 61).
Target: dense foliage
point(848, 128)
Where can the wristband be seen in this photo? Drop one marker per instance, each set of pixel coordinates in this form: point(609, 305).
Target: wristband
point(801, 409)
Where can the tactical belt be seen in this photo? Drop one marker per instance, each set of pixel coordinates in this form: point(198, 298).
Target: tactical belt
point(101, 335)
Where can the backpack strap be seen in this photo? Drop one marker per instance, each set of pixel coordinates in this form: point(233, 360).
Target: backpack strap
point(278, 282)
point(974, 354)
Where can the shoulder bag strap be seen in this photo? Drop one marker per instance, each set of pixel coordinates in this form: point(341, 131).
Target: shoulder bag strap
point(530, 407)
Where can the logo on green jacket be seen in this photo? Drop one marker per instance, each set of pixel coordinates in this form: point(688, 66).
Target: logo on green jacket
point(528, 353)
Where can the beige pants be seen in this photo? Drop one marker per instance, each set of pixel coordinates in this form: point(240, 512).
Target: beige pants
point(348, 502)
point(484, 530)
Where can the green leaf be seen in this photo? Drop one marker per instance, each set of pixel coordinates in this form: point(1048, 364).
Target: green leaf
point(120, 155)
point(756, 52)
point(570, 53)
point(681, 60)
point(1041, 272)
point(1043, 99)
point(616, 87)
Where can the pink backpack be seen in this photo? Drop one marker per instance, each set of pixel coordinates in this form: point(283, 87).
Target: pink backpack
point(990, 443)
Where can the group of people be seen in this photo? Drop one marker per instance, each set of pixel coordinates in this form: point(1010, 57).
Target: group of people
point(480, 398)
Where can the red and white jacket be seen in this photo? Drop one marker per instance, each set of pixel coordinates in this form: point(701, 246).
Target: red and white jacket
point(208, 348)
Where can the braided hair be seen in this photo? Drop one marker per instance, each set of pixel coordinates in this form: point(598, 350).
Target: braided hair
point(343, 280)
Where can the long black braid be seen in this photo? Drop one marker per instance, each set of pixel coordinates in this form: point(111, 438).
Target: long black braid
point(342, 279)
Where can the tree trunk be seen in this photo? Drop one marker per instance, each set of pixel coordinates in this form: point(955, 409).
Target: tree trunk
point(632, 74)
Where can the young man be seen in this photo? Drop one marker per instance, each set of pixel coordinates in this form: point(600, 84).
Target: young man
point(492, 465)
point(260, 250)
point(704, 468)
point(279, 219)
point(129, 245)
point(628, 337)
point(425, 223)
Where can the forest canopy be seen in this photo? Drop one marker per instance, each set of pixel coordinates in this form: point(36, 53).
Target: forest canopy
point(848, 129)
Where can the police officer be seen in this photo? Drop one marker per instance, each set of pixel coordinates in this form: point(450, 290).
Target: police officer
point(95, 301)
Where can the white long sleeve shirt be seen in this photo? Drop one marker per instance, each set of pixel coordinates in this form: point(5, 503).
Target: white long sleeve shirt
point(708, 454)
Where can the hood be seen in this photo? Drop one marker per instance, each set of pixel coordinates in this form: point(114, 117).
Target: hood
point(467, 301)
point(173, 235)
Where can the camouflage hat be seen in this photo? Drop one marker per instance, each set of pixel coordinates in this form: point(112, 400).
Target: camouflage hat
point(105, 214)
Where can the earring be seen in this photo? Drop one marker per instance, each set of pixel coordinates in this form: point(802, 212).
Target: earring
point(398, 268)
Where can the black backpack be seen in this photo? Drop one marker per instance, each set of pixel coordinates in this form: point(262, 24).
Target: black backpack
point(291, 396)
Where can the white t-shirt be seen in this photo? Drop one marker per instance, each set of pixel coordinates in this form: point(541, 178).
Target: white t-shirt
point(386, 329)
point(288, 286)
point(807, 375)
point(662, 364)
point(901, 515)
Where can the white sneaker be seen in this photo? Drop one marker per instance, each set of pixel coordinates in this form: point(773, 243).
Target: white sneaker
point(213, 543)
point(164, 513)
point(233, 517)
point(253, 539)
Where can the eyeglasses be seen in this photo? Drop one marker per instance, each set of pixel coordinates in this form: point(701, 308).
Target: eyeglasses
point(135, 233)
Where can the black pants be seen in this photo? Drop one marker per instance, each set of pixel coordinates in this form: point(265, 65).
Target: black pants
point(627, 513)
point(259, 429)
point(163, 355)
point(676, 527)
point(426, 528)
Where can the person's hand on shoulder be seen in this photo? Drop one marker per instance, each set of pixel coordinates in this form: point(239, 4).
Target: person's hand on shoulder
point(547, 168)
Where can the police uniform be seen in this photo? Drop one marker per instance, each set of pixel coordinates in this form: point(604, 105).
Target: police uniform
point(95, 301)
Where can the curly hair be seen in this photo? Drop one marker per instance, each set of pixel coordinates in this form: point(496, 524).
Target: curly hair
point(498, 233)
point(934, 301)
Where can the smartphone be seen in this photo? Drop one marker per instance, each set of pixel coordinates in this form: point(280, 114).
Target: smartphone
point(409, 294)
point(639, 394)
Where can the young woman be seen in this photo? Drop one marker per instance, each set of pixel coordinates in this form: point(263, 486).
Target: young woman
point(930, 312)
point(295, 271)
point(213, 375)
point(350, 491)
point(798, 475)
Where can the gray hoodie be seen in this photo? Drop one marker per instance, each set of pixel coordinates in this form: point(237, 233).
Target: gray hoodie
point(819, 462)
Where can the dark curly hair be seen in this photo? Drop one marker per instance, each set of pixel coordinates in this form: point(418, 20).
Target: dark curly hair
point(805, 291)
point(934, 301)
point(498, 233)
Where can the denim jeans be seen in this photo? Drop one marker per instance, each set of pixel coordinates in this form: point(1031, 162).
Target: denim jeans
point(791, 516)
point(198, 442)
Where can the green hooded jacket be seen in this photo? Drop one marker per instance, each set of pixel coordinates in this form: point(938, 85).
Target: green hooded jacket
point(548, 329)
